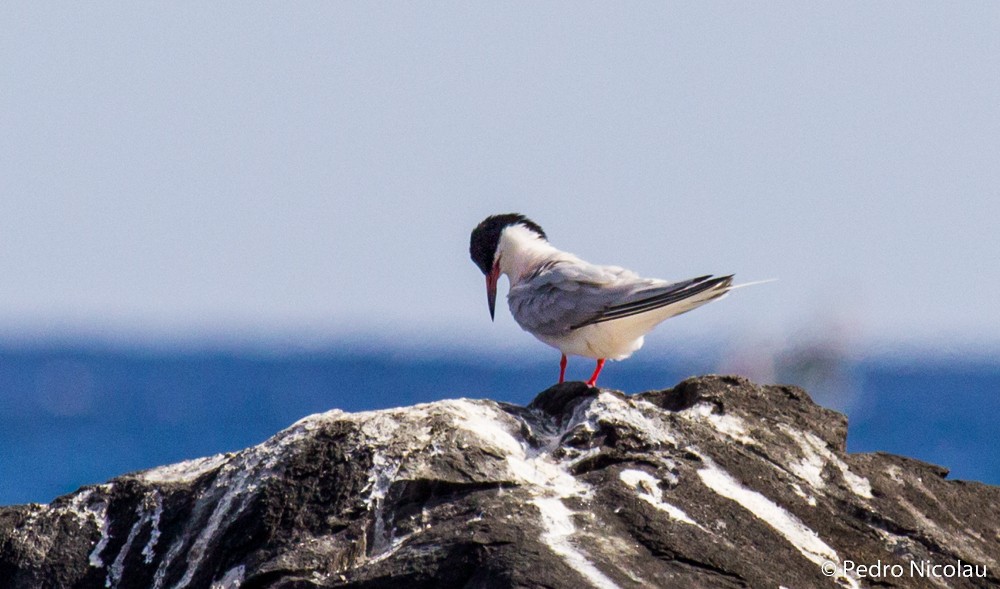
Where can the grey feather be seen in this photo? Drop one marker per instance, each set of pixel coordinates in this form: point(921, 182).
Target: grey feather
point(566, 294)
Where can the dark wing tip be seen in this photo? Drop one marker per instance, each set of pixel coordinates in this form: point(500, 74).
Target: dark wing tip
point(684, 290)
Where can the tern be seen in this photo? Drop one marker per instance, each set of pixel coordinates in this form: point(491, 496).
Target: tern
point(579, 308)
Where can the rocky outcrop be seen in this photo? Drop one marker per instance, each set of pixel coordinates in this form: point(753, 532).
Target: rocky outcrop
point(715, 483)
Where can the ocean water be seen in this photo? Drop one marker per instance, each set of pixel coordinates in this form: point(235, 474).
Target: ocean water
point(75, 416)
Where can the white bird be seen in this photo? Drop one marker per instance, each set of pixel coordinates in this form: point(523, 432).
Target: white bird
point(580, 308)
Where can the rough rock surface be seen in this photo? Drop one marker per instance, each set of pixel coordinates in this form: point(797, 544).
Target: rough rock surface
point(715, 483)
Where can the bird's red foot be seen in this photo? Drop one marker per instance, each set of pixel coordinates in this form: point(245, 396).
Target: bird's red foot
point(562, 369)
point(593, 377)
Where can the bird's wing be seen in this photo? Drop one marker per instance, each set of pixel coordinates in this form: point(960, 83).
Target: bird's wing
point(694, 291)
point(562, 293)
point(565, 295)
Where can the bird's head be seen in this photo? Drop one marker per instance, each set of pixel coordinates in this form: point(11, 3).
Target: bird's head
point(485, 248)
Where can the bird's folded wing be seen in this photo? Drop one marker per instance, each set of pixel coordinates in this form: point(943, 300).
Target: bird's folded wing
point(656, 298)
point(562, 297)
point(559, 295)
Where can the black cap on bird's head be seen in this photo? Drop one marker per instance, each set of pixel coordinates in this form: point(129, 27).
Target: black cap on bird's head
point(483, 248)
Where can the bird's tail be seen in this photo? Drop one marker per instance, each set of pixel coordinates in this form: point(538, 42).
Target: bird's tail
point(671, 299)
point(668, 300)
point(721, 291)
point(754, 283)
point(711, 289)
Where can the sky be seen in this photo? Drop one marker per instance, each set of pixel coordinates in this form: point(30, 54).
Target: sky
point(245, 172)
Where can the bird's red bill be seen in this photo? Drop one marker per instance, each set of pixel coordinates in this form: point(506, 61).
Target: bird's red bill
point(491, 288)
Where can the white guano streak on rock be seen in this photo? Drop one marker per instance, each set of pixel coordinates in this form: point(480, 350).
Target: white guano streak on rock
point(175, 550)
point(237, 481)
point(380, 429)
point(149, 550)
point(557, 521)
point(809, 468)
point(117, 568)
point(806, 541)
point(816, 456)
point(183, 472)
point(610, 408)
point(730, 426)
point(384, 472)
point(959, 541)
point(238, 484)
point(143, 517)
point(526, 464)
point(648, 489)
point(232, 579)
point(95, 555)
point(548, 481)
point(98, 513)
point(798, 491)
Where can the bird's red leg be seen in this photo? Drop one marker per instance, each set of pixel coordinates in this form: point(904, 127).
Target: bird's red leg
point(562, 369)
point(593, 377)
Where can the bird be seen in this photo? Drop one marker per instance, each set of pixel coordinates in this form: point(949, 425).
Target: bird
point(579, 308)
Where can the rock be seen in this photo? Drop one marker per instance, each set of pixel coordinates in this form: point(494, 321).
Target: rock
point(715, 483)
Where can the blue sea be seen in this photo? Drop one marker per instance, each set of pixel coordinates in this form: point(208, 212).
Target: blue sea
point(73, 415)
